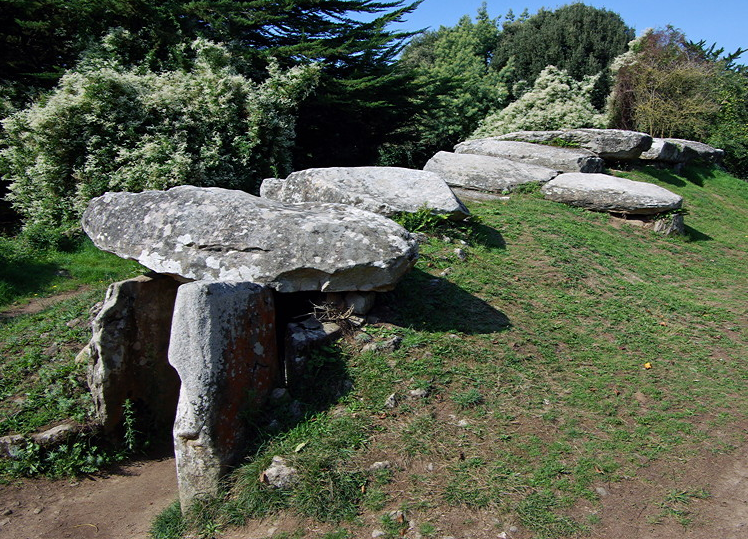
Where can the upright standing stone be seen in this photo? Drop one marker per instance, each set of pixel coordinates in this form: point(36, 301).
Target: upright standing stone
point(223, 347)
point(128, 354)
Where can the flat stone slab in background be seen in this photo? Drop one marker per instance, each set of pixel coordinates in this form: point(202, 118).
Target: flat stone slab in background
point(555, 158)
point(219, 234)
point(610, 144)
point(485, 173)
point(601, 192)
point(383, 190)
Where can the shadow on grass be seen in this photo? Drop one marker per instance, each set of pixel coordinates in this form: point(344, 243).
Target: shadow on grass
point(666, 176)
point(695, 235)
point(488, 237)
point(429, 303)
point(21, 278)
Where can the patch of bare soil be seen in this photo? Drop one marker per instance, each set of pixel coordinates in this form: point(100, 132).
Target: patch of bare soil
point(37, 305)
point(639, 508)
point(121, 505)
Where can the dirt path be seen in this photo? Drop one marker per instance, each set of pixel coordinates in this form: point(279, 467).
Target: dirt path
point(121, 505)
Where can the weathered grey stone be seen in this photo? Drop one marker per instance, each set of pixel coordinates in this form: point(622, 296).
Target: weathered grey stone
point(666, 151)
point(703, 152)
point(361, 302)
point(224, 349)
point(601, 192)
point(11, 445)
point(219, 234)
point(670, 225)
point(56, 435)
point(559, 159)
point(383, 190)
point(610, 144)
point(485, 173)
point(128, 353)
point(280, 474)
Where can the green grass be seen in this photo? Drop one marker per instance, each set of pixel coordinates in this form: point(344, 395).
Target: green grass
point(533, 350)
point(27, 273)
point(41, 384)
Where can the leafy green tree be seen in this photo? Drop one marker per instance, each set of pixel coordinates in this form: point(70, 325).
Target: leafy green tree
point(556, 101)
point(664, 87)
point(111, 128)
point(581, 40)
point(458, 86)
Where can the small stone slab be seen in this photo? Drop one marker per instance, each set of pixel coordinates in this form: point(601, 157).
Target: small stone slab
point(601, 192)
point(485, 173)
point(383, 190)
point(698, 151)
point(610, 144)
point(224, 349)
point(666, 151)
point(555, 158)
point(219, 234)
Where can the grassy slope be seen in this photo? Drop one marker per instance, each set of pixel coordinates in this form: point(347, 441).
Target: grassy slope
point(533, 351)
point(41, 384)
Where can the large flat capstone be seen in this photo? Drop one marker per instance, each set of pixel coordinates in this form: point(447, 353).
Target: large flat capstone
point(559, 159)
point(601, 192)
point(218, 234)
point(484, 173)
point(384, 190)
point(610, 144)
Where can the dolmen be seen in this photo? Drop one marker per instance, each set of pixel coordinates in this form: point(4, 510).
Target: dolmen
point(196, 346)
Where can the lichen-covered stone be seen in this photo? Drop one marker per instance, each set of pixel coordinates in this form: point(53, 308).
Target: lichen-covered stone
point(485, 173)
point(219, 234)
point(128, 353)
point(555, 158)
point(601, 192)
point(224, 348)
point(610, 144)
point(383, 190)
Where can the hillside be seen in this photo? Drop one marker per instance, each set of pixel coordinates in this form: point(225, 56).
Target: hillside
point(569, 355)
point(577, 374)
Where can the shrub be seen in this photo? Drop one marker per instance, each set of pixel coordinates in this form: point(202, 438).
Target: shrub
point(108, 128)
point(556, 101)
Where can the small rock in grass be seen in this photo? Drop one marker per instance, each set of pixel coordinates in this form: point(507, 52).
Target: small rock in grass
point(75, 322)
point(601, 491)
point(377, 533)
point(381, 465)
point(513, 529)
point(463, 423)
point(419, 393)
point(391, 401)
point(461, 254)
point(279, 474)
point(445, 272)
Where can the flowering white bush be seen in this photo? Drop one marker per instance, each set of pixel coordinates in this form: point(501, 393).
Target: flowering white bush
point(556, 101)
point(106, 128)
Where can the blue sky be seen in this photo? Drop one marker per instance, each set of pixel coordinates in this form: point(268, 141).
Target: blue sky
point(724, 22)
